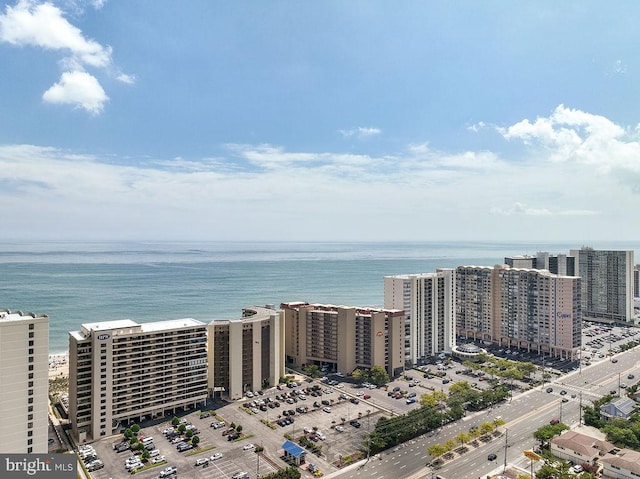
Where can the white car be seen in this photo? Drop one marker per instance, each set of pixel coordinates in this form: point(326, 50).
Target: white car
point(326, 409)
point(168, 471)
point(202, 461)
point(248, 447)
point(339, 429)
point(216, 456)
point(158, 459)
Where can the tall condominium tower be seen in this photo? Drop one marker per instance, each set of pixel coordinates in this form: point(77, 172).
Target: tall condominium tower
point(344, 338)
point(523, 308)
point(121, 371)
point(557, 264)
point(246, 354)
point(24, 382)
point(428, 301)
point(607, 283)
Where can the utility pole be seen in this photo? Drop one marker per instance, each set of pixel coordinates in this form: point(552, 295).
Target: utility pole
point(580, 411)
point(506, 445)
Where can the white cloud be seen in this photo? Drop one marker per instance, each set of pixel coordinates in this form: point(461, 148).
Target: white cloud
point(525, 210)
point(79, 89)
point(43, 25)
point(361, 132)
point(582, 139)
point(128, 79)
point(418, 193)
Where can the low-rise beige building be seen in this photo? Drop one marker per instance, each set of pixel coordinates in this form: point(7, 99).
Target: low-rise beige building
point(579, 448)
point(24, 381)
point(344, 338)
point(624, 464)
point(121, 371)
point(246, 354)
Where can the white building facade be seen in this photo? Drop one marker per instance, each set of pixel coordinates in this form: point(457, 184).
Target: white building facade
point(428, 301)
point(24, 382)
point(121, 372)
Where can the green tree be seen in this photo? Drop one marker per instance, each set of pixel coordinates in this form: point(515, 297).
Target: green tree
point(146, 455)
point(545, 433)
point(378, 375)
point(312, 370)
point(195, 440)
point(462, 438)
point(359, 375)
point(128, 433)
point(239, 428)
point(175, 421)
point(182, 428)
point(189, 434)
point(486, 427)
point(135, 428)
point(436, 450)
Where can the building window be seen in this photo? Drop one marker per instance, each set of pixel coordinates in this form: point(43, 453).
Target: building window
point(30, 335)
point(29, 450)
point(29, 433)
point(30, 400)
point(31, 342)
point(30, 384)
point(30, 409)
point(30, 350)
point(31, 327)
point(30, 375)
point(30, 365)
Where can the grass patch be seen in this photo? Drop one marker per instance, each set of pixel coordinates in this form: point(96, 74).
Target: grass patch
point(268, 424)
point(199, 450)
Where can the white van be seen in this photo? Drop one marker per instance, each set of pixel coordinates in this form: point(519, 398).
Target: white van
point(154, 453)
point(147, 440)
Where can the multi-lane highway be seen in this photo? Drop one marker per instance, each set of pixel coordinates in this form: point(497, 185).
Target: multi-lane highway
point(523, 415)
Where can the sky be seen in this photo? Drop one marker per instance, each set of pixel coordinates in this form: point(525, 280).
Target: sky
point(315, 121)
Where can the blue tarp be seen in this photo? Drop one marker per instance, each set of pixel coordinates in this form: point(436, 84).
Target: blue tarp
point(293, 449)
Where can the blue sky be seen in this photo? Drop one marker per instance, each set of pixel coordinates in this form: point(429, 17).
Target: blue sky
point(333, 120)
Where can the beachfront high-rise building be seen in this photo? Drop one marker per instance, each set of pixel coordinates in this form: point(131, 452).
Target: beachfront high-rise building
point(607, 283)
point(121, 372)
point(523, 308)
point(246, 354)
point(475, 292)
point(557, 264)
point(344, 338)
point(428, 301)
point(24, 381)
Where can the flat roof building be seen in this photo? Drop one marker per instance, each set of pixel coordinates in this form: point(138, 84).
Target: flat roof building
point(24, 381)
point(344, 338)
point(607, 283)
point(428, 301)
point(121, 372)
point(246, 354)
point(517, 307)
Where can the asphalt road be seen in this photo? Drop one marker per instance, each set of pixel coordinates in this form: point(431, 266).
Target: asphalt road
point(523, 414)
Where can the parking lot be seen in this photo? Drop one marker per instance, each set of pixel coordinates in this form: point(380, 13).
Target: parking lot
point(336, 418)
point(333, 415)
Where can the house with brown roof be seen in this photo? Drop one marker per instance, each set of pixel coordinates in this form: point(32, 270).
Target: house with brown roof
point(625, 464)
point(578, 448)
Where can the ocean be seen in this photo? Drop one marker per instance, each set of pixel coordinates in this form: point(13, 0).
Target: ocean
point(75, 283)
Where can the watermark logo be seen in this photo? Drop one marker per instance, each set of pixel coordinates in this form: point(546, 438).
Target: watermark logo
point(50, 466)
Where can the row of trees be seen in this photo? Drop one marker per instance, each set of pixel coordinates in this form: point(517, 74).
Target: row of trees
point(436, 450)
point(290, 472)
point(502, 368)
point(376, 375)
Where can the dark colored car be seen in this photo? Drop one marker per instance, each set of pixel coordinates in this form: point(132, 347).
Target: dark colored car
point(492, 457)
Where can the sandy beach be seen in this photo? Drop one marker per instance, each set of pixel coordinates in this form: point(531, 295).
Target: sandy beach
point(58, 365)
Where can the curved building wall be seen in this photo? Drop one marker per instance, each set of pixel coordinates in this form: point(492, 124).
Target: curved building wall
point(246, 354)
